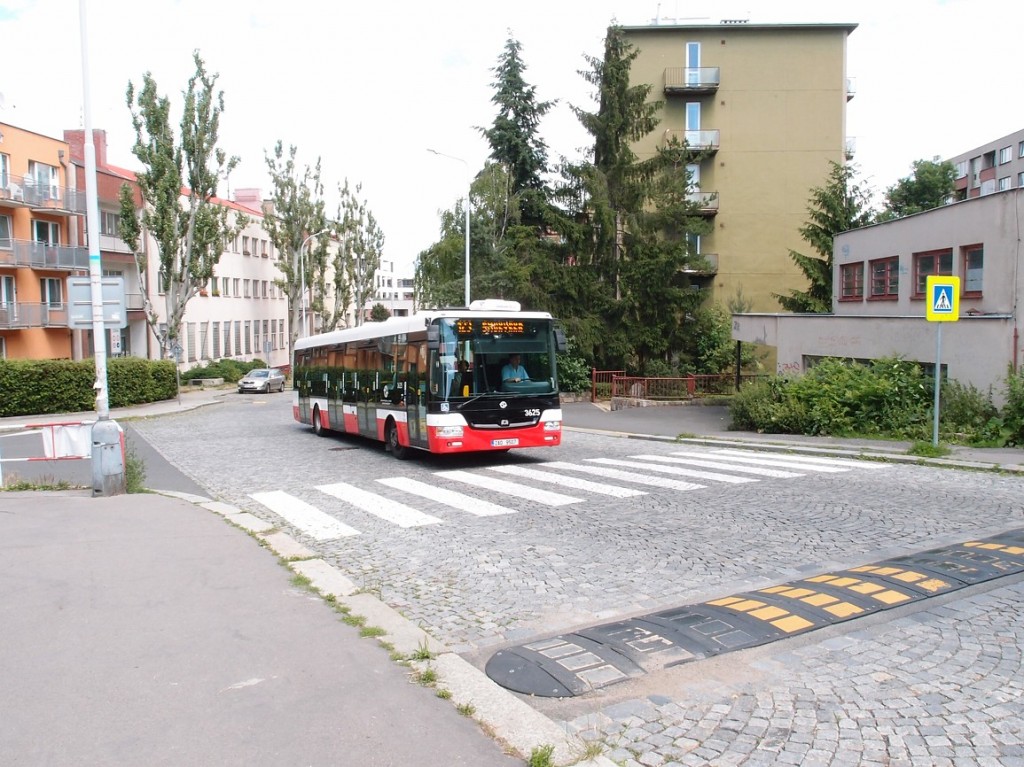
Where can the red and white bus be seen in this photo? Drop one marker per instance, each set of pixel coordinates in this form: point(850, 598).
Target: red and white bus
point(434, 381)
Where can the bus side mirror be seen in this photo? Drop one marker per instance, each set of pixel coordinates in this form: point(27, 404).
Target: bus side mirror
point(560, 343)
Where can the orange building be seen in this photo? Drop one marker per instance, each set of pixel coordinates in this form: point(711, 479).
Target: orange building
point(40, 214)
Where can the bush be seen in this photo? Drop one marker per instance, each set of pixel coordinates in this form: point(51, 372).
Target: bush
point(573, 373)
point(40, 387)
point(1013, 411)
point(967, 415)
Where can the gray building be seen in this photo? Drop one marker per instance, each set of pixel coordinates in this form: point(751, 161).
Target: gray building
point(994, 167)
point(879, 295)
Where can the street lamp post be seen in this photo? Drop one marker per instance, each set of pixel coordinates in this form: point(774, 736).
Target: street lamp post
point(302, 269)
point(469, 189)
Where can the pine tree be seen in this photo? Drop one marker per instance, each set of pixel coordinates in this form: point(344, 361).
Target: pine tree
point(838, 206)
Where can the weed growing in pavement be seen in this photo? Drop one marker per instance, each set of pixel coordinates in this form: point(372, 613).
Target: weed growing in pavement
point(17, 484)
point(541, 756)
point(466, 709)
point(427, 677)
point(372, 631)
point(353, 620)
point(134, 471)
point(422, 652)
point(444, 694)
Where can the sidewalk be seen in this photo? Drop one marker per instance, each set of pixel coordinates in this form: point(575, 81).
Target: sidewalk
point(709, 424)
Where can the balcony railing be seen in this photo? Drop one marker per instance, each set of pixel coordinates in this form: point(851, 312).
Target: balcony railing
point(40, 255)
point(851, 88)
point(702, 264)
point(696, 140)
point(707, 201)
point(691, 79)
point(133, 302)
point(850, 148)
point(24, 191)
point(19, 315)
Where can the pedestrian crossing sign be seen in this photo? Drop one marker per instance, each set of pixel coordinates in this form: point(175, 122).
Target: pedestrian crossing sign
point(942, 296)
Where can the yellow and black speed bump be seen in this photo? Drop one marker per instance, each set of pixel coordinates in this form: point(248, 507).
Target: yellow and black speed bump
point(585, 660)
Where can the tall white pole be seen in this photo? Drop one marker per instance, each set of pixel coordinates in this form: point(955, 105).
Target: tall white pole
point(302, 268)
point(99, 332)
point(469, 189)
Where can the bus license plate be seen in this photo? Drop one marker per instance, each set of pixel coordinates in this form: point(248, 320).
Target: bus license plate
point(505, 442)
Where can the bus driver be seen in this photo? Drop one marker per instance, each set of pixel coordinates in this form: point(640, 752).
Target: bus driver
point(514, 372)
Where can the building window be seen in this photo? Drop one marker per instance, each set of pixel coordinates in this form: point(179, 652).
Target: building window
point(190, 339)
point(216, 340)
point(938, 262)
point(42, 181)
point(45, 231)
point(5, 170)
point(264, 287)
point(234, 283)
point(852, 282)
point(227, 338)
point(5, 232)
point(1005, 154)
point(110, 223)
point(225, 283)
point(51, 292)
point(885, 278)
point(1004, 183)
point(256, 336)
point(961, 169)
point(245, 288)
point(1020, 179)
point(8, 291)
point(204, 329)
point(245, 246)
point(238, 336)
point(266, 333)
point(974, 262)
point(248, 338)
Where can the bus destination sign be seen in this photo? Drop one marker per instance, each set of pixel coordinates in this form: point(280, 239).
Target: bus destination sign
point(491, 327)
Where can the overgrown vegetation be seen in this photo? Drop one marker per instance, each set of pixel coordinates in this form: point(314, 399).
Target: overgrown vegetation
point(890, 398)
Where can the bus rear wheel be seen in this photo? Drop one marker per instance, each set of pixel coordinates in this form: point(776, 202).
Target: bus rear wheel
point(318, 426)
point(394, 446)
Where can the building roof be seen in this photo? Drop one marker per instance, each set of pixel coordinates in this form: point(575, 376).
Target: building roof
point(738, 24)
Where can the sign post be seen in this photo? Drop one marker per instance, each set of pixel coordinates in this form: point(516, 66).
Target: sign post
point(942, 294)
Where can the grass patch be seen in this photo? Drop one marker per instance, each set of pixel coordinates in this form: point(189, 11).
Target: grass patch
point(17, 484)
point(422, 652)
point(372, 631)
point(466, 709)
point(427, 676)
point(928, 450)
point(134, 472)
point(354, 620)
point(444, 694)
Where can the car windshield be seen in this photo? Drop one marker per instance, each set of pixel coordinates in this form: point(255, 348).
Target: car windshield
point(259, 373)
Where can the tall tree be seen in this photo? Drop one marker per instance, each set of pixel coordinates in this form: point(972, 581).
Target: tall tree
point(296, 216)
point(360, 246)
point(931, 185)
point(616, 180)
point(514, 135)
point(178, 185)
point(839, 205)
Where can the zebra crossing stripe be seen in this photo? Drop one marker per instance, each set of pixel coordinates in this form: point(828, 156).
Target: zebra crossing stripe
point(309, 519)
point(777, 473)
point(851, 462)
point(388, 510)
point(758, 460)
point(625, 476)
point(447, 497)
point(574, 482)
point(674, 470)
point(511, 489)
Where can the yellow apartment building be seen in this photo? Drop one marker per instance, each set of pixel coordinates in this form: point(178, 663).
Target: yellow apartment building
point(39, 213)
point(765, 104)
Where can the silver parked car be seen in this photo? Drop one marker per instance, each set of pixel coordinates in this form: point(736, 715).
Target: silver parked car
point(263, 380)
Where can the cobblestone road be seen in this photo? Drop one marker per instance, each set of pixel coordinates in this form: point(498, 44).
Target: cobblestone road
point(939, 685)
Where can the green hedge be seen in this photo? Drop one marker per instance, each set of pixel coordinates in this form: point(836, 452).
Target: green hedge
point(41, 387)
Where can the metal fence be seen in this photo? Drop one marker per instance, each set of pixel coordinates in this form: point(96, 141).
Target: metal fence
point(606, 384)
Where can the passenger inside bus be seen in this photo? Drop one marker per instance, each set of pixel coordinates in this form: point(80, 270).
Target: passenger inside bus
point(462, 381)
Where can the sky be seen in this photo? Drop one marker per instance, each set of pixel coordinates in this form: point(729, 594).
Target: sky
point(368, 87)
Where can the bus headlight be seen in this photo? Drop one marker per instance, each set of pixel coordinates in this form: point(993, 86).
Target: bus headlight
point(449, 431)
point(552, 426)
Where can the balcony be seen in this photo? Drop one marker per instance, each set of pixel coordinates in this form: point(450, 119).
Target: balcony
point(850, 148)
point(694, 140)
point(19, 316)
point(25, 192)
point(134, 302)
point(110, 243)
point(40, 255)
point(702, 265)
point(851, 88)
point(707, 202)
point(691, 80)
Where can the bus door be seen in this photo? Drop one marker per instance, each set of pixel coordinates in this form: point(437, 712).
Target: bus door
point(368, 406)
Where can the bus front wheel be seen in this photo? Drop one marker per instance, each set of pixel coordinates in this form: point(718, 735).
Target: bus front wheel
point(394, 446)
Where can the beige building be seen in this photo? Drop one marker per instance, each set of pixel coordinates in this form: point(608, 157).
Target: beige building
point(768, 103)
point(879, 301)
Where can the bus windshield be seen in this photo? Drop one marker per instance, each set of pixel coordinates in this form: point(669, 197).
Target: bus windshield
point(479, 356)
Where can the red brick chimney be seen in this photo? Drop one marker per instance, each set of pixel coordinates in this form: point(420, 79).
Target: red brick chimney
point(76, 140)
